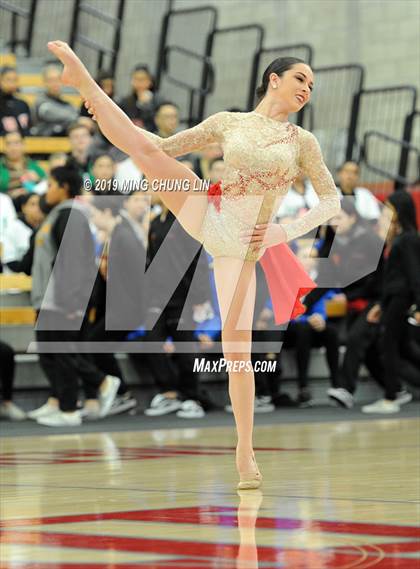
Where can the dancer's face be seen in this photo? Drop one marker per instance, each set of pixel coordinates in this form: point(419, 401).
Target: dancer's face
point(293, 88)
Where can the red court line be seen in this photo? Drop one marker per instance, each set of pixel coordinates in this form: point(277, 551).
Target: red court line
point(223, 516)
point(291, 558)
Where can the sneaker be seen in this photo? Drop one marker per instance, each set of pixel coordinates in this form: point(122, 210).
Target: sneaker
point(61, 419)
point(122, 403)
point(382, 406)
point(12, 412)
point(191, 410)
point(42, 411)
point(341, 396)
point(283, 400)
point(263, 404)
point(403, 397)
point(90, 413)
point(161, 405)
point(107, 396)
point(304, 398)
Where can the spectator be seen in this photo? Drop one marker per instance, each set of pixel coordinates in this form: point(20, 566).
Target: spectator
point(23, 228)
point(55, 160)
point(167, 119)
point(7, 219)
point(105, 80)
point(348, 179)
point(300, 197)
point(15, 114)
point(123, 261)
point(8, 409)
point(103, 171)
point(18, 173)
point(63, 299)
point(52, 114)
point(356, 245)
point(80, 140)
point(171, 317)
point(24, 264)
point(312, 329)
point(401, 290)
point(143, 102)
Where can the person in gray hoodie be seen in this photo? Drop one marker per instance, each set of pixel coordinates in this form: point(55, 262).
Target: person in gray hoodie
point(63, 274)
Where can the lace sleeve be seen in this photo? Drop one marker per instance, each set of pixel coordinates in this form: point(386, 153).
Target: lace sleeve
point(208, 131)
point(312, 165)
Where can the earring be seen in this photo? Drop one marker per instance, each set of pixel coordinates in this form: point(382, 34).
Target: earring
point(274, 86)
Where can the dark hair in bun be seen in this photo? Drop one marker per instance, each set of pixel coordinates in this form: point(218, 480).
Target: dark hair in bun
point(278, 66)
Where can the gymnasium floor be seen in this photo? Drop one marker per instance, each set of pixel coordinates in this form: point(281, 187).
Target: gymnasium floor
point(337, 494)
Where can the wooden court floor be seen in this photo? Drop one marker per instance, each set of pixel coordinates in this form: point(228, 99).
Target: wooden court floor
point(335, 495)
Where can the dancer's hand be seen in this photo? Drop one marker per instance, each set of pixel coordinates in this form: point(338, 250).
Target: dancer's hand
point(90, 109)
point(264, 235)
point(74, 73)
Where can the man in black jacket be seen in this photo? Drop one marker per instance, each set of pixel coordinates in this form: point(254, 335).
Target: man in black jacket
point(14, 113)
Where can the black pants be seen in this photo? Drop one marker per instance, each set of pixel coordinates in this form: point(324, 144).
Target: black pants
point(362, 346)
point(106, 362)
point(302, 337)
point(395, 339)
point(63, 370)
point(173, 372)
point(266, 383)
point(7, 370)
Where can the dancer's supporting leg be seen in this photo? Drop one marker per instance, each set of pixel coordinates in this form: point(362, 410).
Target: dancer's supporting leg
point(122, 133)
point(235, 285)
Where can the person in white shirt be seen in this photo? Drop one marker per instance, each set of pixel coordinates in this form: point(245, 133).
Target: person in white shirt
point(300, 197)
point(367, 205)
point(7, 218)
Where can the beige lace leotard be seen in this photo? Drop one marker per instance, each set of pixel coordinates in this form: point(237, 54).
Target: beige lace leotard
point(262, 158)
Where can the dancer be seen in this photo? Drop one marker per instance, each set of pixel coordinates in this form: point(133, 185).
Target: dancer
point(263, 154)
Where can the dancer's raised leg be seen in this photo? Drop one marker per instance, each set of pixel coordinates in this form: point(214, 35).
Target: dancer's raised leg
point(122, 133)
point(235, 285)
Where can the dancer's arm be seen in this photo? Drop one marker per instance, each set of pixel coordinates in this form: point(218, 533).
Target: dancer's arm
point(192, 139)
point(313, 165)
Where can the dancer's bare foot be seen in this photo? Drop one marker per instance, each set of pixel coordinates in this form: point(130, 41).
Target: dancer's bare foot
point(74, 73)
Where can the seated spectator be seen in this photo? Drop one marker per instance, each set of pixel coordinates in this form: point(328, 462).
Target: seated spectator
point(8, 409)
point(52, 114)
point(23, 229)
point(7, 219)
point(312, 329)
point(142, 103)
point(15, 114)
point(60, 302)
point(105, 80)
point(18, 173)
point(166, 120)
point(80, 140)
point(55, 160)
point(216, 170)
point(367, 205)
point(300, 197)
point(400, 293)
point(103, 173)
